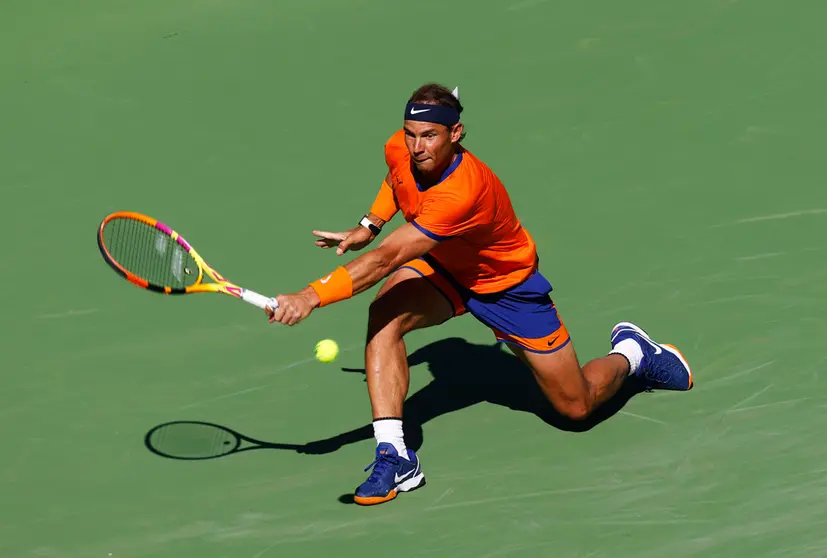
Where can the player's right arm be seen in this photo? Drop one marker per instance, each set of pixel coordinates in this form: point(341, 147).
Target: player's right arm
point(443, 215)
point(383, 209)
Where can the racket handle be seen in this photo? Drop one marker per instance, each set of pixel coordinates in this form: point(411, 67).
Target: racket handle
point(259, 300)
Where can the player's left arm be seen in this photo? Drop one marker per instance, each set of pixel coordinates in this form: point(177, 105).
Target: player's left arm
point(402, 245)
point(382, 210)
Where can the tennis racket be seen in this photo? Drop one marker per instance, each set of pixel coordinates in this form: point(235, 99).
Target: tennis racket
point(150, 255)
point(195, 440)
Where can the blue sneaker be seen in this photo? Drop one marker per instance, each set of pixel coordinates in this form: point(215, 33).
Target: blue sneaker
point(391, 474)
point(663, 366)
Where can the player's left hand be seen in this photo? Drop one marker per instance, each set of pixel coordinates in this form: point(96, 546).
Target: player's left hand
point(293, 308)
point(355, 239)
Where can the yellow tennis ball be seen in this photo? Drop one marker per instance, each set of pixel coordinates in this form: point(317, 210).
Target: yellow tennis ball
point(327, 350)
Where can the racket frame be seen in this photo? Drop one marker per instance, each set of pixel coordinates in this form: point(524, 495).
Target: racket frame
point(221, 285)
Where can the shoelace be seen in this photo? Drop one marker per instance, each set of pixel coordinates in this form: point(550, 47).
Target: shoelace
point(382, 463)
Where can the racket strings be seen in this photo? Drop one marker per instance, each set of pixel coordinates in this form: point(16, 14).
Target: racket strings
point(149, 253)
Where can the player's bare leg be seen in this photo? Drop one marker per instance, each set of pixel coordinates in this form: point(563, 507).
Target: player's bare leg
point(405, 302)
point(577, 391)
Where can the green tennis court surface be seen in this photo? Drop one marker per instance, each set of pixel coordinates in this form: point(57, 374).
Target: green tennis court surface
point(667, 156)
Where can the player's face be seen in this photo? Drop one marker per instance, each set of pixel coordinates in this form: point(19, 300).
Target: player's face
point(431, 145)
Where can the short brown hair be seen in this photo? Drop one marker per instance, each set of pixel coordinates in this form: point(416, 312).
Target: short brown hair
point(436, 94)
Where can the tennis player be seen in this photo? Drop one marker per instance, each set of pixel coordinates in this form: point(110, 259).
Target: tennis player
point(461, 250)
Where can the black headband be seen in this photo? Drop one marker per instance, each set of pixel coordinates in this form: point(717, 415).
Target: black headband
point(431, 113)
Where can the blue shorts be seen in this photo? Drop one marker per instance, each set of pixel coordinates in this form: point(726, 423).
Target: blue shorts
point(524, 315)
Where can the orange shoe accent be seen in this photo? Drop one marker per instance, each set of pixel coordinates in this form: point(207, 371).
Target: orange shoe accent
point(372, 501)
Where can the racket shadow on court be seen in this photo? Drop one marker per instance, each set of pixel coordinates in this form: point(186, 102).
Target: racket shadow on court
point(464, 374)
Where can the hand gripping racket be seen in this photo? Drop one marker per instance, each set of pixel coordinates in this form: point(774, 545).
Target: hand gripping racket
point(149, 254)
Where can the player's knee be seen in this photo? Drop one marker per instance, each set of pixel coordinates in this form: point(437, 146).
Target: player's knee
point(574, 409)
point(577, 411)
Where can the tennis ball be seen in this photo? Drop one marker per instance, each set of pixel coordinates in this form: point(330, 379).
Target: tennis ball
point(327, 350)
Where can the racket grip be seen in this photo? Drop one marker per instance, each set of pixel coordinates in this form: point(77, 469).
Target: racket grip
point(259, 300)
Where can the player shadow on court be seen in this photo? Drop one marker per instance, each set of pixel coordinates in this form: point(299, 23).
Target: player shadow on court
point(466, 374)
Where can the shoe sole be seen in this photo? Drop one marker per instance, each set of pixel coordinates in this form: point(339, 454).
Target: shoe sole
point(407, 486)
point(667, 347)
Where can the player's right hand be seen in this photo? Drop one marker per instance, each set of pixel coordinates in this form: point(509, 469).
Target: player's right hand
point(354, 239)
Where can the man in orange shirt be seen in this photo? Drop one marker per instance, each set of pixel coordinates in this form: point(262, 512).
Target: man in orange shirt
point(462, 249)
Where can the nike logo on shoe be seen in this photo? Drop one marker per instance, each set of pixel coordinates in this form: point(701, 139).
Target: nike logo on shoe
point(397, 479)
point(657, 348)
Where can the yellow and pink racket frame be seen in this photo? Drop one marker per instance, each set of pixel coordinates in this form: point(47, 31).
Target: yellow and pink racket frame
point(221, 285)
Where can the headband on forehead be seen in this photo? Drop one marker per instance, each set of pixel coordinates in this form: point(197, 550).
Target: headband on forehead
point(431, 113)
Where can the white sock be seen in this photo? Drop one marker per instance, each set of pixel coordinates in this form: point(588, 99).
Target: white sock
point(631, 350)
point(389, 430)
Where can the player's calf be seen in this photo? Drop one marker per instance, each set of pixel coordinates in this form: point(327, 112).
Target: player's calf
point(405, 303)
point(574, 391)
